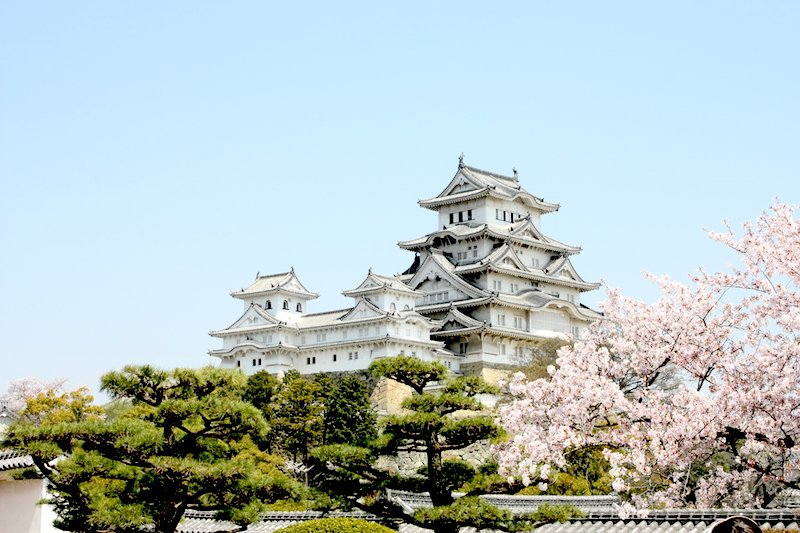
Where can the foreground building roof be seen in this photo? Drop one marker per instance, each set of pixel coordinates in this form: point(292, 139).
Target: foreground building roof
point(601, 516)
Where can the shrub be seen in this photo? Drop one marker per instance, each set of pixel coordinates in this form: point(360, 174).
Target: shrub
point(336, 525)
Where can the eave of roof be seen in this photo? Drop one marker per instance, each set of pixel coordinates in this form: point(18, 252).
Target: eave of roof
point(457, 232)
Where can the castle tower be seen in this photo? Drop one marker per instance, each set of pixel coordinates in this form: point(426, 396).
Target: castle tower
point(494, 280)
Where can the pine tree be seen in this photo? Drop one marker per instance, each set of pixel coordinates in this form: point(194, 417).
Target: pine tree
point(184, 444)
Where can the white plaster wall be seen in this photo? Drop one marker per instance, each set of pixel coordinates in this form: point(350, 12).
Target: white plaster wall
point(19, 508)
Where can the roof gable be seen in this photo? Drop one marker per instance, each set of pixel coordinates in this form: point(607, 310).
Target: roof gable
point(286, 282)
point(362, 309)
point(435, 265)
point(561, 267)
point(375, 282)
point(527, 229)
point(254, 316)
point(505, 256)
point(456, 320)
point(461, 182)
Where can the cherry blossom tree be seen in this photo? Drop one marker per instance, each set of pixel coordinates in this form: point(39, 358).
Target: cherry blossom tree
point(23, 389)
point(728, 434)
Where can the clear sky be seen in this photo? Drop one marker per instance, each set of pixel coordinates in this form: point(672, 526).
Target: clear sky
point(155, 155)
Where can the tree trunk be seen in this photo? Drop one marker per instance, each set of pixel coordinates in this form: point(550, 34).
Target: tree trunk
point(440, 495)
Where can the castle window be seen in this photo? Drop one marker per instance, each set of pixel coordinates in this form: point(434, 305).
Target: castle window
point(502, 349)
point(392, 307)
point(238, 363)
point(462, 347)
point(321, 337)
point(269, 304)
point(469, 214)
point(501, 320)
point(299, 308)
point(344, 335)
point(286, 304)
point(254, 362)
point(303, 339)
point(475, 252)
point(461, 216)
point(334, 358)
point(311, 360)
point(519, 322)
point(451, 217)
point(259, 361)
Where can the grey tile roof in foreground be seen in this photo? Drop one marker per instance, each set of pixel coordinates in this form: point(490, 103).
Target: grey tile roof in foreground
point(11, 459)
point(601, 516)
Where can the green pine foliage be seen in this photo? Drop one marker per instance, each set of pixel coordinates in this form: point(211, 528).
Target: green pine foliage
point(350, 417)
point(447, 417)
point(186, 442)
point(336, 525)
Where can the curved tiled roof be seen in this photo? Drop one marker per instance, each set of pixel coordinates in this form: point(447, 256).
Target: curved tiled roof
point(375, 282)
point(12, 459)
point(601, 516)
point(270, 283)
point(498, 231)
point(486, 183)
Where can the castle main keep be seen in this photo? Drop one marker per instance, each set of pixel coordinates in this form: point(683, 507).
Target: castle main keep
point(482, 290)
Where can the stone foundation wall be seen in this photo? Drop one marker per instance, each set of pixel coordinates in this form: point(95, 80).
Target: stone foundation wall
point(492, 373)
point(408, 463)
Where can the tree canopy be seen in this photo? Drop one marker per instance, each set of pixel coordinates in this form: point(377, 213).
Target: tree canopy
point(442, 414)
point(727, 433)
point(186, 443)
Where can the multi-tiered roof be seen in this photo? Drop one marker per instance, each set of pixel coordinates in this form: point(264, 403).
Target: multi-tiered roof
point(490, 273)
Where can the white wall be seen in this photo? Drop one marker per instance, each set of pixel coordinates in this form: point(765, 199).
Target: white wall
point(19, 509)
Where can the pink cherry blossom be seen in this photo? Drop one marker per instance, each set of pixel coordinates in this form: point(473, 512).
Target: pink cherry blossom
point(727, 432)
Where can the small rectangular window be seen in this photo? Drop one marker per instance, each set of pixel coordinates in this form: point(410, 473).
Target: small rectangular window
point(238, 363)
point(451, 218)
point(461, 216)
point(469, 214)
point(254, 362)
point(462, 347)
point(355, 355)
point(334, 358)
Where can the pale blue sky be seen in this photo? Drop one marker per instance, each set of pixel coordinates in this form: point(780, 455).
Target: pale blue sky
point(156, 155)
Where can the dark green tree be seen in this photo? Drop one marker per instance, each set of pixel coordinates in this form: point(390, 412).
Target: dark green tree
point(298, 416)
point(350, 417)
point(261, 388)
point(185, 443)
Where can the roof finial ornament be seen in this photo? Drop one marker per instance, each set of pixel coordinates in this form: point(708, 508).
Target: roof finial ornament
point(515, 172)
point(258, 274)
point(461, 160)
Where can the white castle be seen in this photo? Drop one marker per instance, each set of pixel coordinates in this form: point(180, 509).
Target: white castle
point(481, 292)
